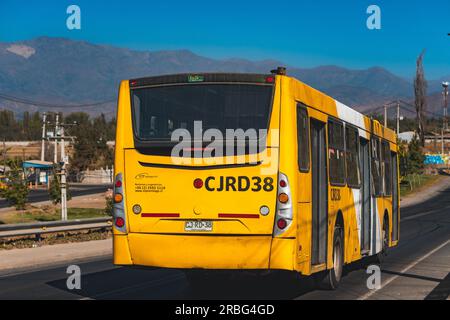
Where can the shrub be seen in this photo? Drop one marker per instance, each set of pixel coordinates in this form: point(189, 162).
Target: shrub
point(16, 191)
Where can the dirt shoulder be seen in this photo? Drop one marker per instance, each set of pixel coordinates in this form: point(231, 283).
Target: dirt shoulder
point(426, 192)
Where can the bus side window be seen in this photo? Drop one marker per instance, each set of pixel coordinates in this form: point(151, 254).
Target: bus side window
point(302, 138)
point(352, 156)
point(336, 152)
point(387, 169)
point(376, 166)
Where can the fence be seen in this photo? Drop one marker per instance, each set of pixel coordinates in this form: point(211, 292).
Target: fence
point(97, 176)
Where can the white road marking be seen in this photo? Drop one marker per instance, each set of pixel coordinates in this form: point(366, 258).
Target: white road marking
point(420, 214)
point(408, 267)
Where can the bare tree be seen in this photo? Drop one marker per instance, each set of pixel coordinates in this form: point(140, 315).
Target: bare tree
point(420, 93)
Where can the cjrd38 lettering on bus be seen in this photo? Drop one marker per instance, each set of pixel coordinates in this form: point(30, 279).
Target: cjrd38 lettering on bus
point(240, 184)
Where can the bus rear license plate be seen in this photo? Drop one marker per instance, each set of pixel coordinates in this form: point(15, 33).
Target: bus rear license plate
point(198, 225)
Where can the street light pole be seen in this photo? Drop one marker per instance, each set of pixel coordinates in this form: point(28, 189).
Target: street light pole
point(398, 117)
point(385, 115)
point(444, 119)
point(445, 96)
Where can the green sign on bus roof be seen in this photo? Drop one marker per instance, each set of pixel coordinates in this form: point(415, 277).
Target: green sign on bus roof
point(195, 78)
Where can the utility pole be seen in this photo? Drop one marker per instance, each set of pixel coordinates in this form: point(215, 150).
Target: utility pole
point(444, 118)
point(63, 178)
point(445, 94)
point(44, 118)
point(55, 156)
point(385, 115)
point(4, 156)
point(61, 137)
point(398, 117)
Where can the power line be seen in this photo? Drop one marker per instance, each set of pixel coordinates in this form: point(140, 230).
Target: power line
point(404, 105)
point(414, 109)
point(50, 105)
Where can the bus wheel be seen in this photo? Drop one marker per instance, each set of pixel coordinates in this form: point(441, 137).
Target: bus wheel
point(331, 278)
point(385, 244)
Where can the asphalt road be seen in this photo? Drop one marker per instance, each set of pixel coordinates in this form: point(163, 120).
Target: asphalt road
point(75, 190)
point(419, 268)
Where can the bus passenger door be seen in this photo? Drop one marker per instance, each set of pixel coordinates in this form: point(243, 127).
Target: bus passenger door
point(395, 214)
point(365, 195)
point(319, 193)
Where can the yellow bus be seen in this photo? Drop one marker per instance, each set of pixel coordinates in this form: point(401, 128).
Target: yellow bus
point(319, 190)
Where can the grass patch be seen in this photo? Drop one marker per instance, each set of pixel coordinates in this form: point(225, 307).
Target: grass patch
point(82, 213)
point(49, 213)
point(55, 238)
point(415, 183)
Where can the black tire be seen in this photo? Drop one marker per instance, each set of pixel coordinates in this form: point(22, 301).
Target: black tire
point(380, 256)
point(331, 278)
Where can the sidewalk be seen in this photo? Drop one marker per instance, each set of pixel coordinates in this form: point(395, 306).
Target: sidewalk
point(20, 259)
point(427, 193)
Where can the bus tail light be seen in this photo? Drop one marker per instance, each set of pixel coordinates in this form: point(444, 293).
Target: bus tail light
point(119, 204)
point(120, 222)
point(118, 197)
point(281, 223)
point(270, 79)
point(283, 198)
point(283, 218)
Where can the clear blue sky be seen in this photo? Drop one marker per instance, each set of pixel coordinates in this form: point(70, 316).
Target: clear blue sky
point(299, 33)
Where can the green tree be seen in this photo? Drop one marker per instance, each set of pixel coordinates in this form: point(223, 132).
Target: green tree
point(415, 157)
point(90, 147)
point(55, 188)
point(403, 157)
point(9, 127)
point(109, 203)
point(16, 192)
point(420, 98)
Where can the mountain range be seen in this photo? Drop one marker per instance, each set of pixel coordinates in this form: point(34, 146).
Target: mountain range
point(68, 72)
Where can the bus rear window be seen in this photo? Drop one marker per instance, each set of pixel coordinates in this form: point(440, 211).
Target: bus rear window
point(159, 110)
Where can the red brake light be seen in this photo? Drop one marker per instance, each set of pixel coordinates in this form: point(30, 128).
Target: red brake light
point(283, 184)
point(120, 222)
point(281, 223)
point(118, 184)
point(270, 79)
point(198, 183)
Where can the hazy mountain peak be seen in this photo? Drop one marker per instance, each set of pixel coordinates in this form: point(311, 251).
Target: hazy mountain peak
point(21, 50)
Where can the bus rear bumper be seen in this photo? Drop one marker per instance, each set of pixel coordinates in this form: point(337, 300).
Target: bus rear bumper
point(199, 251)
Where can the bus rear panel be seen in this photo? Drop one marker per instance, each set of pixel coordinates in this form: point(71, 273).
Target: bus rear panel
point(204, 207)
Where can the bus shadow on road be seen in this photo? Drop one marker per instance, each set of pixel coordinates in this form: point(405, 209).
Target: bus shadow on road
point(154, 283)
point(126, 283)
point(273, 286)
point(149, 283)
